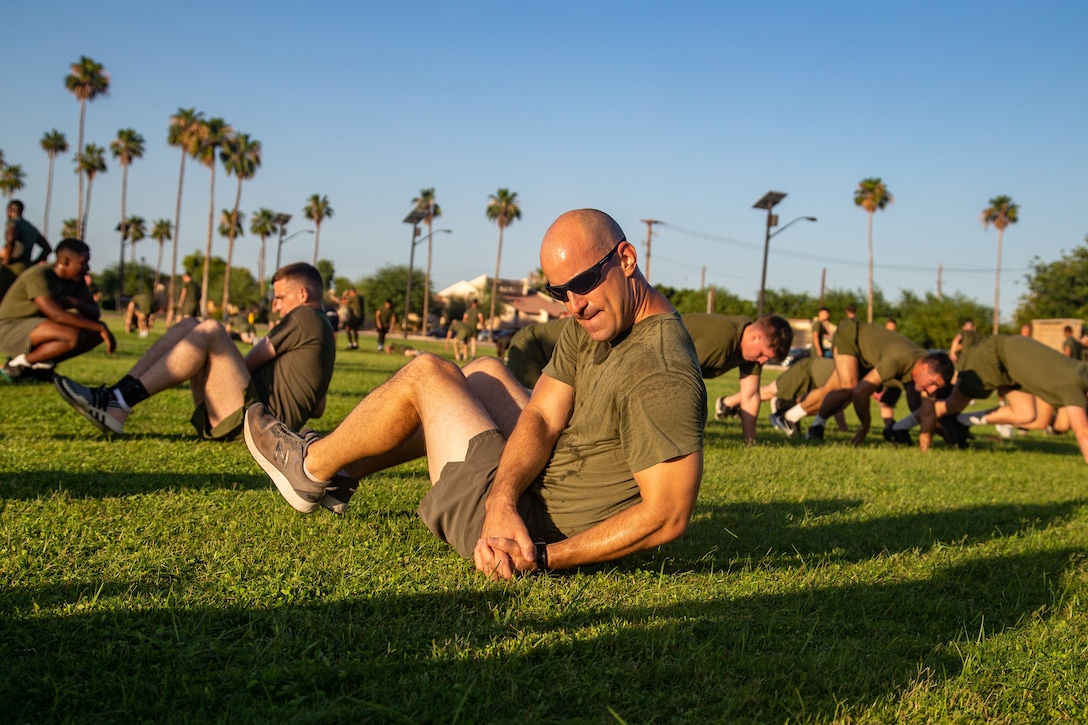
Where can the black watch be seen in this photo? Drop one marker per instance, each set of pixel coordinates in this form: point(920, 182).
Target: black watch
point(541, 555)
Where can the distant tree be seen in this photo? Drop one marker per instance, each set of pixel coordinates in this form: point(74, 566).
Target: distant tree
point(391, 282)
point(263, 224)
point(53, 143)
point(184, 132)
point(317, 210)
point(69, 229)
point(162, 231)
point(92, 162)
point(1001, 213)
point(1058, 288)
point(87, 81)
point(871, 195)
point(127, 146)
point(328, 272)
point(11, 179)
point(933, 321)
point(135, 230)
point(504, 210)
point(425, 203)
point(214, 132)
point(241, 156)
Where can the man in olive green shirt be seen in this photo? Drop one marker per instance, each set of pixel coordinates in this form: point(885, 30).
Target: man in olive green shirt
point(290, 370)
point(17, 253)
point(1040, 385)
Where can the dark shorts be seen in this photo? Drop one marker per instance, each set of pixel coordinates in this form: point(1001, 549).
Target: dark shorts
point(230, 427)
point(15, 334)
point(454, 507)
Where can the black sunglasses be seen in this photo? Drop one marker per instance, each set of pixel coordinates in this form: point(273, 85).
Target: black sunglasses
point(584, 283)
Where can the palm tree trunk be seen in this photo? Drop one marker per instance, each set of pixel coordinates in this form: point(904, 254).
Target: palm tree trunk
point(172, 300)
point(48, 197)
point(208, 249)
point(427, 277)
point(260, 267)
point(124, 198)
point(494, 290)
point(317, 238)
point(87, 206)
point(870, 299)
point(230, 248)
point(997, 283)
point(158, 264)
point(79, 168)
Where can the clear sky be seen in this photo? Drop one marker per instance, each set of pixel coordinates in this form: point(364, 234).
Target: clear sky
point(686, 112)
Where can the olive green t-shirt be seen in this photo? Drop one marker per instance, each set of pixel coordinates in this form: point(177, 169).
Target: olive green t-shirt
point(39, 281)
point(1020, 363)
point(638, 401)
point(471, 321)
point(531, 348)
point(26, 237)
point(877, 348)
point(717, 343)
point(297, 378)
point(804, 376)
point(192, 299)
point(1072, 348)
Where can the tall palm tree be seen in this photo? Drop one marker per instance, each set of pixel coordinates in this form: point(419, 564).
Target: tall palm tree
point(1001, 213)
point(161, 230)
point(69, 228)
point(241, 156)
point(213, 134)
point(87, 81)
point(263, 224)
point(317, 210)
point(503, 209)
point(127, 146)
point(872, 194)
point(92, 162)
point(135, 228)
point(53, 143)
point(425, 203)
point(184, 132)
point(11, 179)
point(231, 226)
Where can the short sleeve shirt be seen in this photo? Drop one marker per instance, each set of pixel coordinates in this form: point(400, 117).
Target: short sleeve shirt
point(717, 343)
point(877, 348)
point(39, 281)
point(1020, 363)
point(531, 349)
point(803, 376)
point(638, 401)
point(297, 378)
point(26, 236)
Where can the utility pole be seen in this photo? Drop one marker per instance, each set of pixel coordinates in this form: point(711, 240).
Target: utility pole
point(649, 236)
point(940, 269)
point(823, 283)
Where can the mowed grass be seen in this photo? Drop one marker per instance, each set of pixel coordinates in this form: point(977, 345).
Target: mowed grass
point(157, 578)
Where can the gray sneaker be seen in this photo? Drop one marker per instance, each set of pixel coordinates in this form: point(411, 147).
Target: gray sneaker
point(92, 403)
point(280, 452)
point(340, 489)
point(778, 420)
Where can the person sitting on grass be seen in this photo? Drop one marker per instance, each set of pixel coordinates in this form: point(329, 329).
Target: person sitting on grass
point(48, 316)
point(289, 370)
point(602, 461)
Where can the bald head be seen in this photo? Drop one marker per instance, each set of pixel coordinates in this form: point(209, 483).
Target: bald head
point(577, 239)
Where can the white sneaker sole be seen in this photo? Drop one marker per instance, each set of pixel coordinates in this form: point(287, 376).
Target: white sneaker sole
point(282, 484)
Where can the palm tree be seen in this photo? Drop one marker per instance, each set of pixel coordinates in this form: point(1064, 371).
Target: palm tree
point(231, 226)
point(214, 132)
point(872, 194)
point(53, 143)
point(184, 132)
point(161, 230)
point(87, 81)
point(263, 224)
point(425, 203)
point(1001, 213)
point(91, 163)
point(317, 210)
point(241, 156)
point(11, 179)
point(69, 228)
point(502, 209)
point(127, 146)
point(135, 228)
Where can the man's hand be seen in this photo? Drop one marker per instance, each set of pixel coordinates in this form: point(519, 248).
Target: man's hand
point(107, 337)
point(505, 547)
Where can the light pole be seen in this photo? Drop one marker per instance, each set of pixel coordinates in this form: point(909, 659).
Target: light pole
point(768, 201)
point(279, 249)
point(416, 239)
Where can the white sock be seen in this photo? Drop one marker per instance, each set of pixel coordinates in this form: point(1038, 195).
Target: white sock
point(306, 470)
point(819, 420)
point(971, 419)
point(795, 413)
point(19, 361)
point(905, 423)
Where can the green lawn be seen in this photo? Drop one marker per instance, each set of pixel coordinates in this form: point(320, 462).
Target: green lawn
point(155, 578)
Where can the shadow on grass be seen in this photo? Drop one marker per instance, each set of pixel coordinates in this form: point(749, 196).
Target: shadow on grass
point(98, 484)
point(529, 653)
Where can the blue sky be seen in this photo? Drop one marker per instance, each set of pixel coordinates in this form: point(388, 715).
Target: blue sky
point(686, 112)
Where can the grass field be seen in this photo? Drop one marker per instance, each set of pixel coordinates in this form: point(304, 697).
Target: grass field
point(156, 578)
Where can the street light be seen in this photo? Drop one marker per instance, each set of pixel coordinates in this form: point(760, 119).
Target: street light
point(281, 221)
point(768, 201)
point(414, 218)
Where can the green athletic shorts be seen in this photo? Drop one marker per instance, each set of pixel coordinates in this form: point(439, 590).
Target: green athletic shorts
point(454, 507)
point(230, 427)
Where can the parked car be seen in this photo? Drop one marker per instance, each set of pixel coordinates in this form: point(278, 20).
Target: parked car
point(499, 334)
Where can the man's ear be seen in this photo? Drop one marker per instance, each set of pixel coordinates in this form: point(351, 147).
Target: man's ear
point(303, 294)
